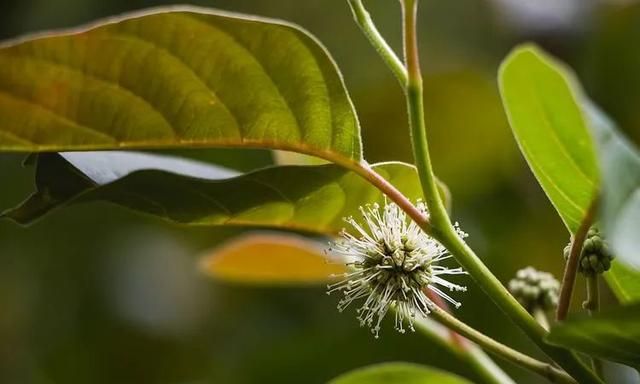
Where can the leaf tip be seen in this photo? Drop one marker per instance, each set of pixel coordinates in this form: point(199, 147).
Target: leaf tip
point(522, 51)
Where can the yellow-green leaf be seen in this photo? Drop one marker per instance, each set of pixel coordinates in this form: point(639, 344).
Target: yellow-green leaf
point(554, 124)
point(543, 104)
point(274, 259)
point(175, 77)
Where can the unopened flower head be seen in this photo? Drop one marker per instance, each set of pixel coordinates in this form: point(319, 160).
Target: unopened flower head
point(392, 263)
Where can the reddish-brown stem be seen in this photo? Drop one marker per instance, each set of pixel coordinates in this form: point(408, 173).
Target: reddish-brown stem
point(571, 268)
point(365, 171)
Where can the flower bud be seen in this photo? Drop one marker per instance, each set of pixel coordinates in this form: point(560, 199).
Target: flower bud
point(595, 257)
point(535, 289)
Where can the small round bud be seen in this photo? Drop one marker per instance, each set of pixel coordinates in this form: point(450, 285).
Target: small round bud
point(535, 289)
point(595, 257)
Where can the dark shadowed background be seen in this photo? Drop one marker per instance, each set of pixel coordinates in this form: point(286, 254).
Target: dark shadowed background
point(96, 294)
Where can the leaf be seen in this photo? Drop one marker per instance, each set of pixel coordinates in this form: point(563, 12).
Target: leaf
point(398, 373)
point(529, 79)
point(273, 259)
point(176, 77)
point(624, 282)
point(542, 104)
point(243, 160)
point(612, 335)
point(620, 209)
point(307, 198)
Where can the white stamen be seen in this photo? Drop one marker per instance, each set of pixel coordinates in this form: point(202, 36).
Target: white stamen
point(393, 262)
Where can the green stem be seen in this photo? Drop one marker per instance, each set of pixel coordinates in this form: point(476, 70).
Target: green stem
point(478, 359)
point(498, 293)
point(571, 267)
point(415, 107)
point(364, 21)
point(546, 370)
point(441, 227)
point(471, 356)
point(474, 358)
point(592, 304)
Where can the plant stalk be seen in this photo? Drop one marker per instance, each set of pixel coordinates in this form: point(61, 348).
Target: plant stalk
point(476, 360)
point(415, 107)
point(498, 293)
point(592, 305)
point(546, 370)
point(455, 337)
point(475, 357)
point(440, 225)
point(571, 267)
point(481, 274)
point(364, 21)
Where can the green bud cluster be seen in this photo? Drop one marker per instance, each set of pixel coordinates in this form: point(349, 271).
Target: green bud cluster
point(596, 256)
point(535, 289)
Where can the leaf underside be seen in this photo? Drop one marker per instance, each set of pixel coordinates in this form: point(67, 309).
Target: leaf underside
point(307, 198)
point(398, 373)
point(620, 208)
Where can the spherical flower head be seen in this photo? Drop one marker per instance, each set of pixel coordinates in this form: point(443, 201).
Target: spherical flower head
point(393, 262)
point(535, 289)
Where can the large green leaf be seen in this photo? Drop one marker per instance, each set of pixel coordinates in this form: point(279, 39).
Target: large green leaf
point(309, 198)
point(613, 335)
point(175, 77)
point(547, 111)
point(620, 209)
point(398, 373)
point(547, 121)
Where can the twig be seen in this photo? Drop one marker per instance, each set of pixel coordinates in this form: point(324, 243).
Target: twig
point(364, 21)
point(571, 268)
point(490, 345)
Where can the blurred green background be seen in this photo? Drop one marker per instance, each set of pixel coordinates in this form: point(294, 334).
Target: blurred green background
point(95, 294)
